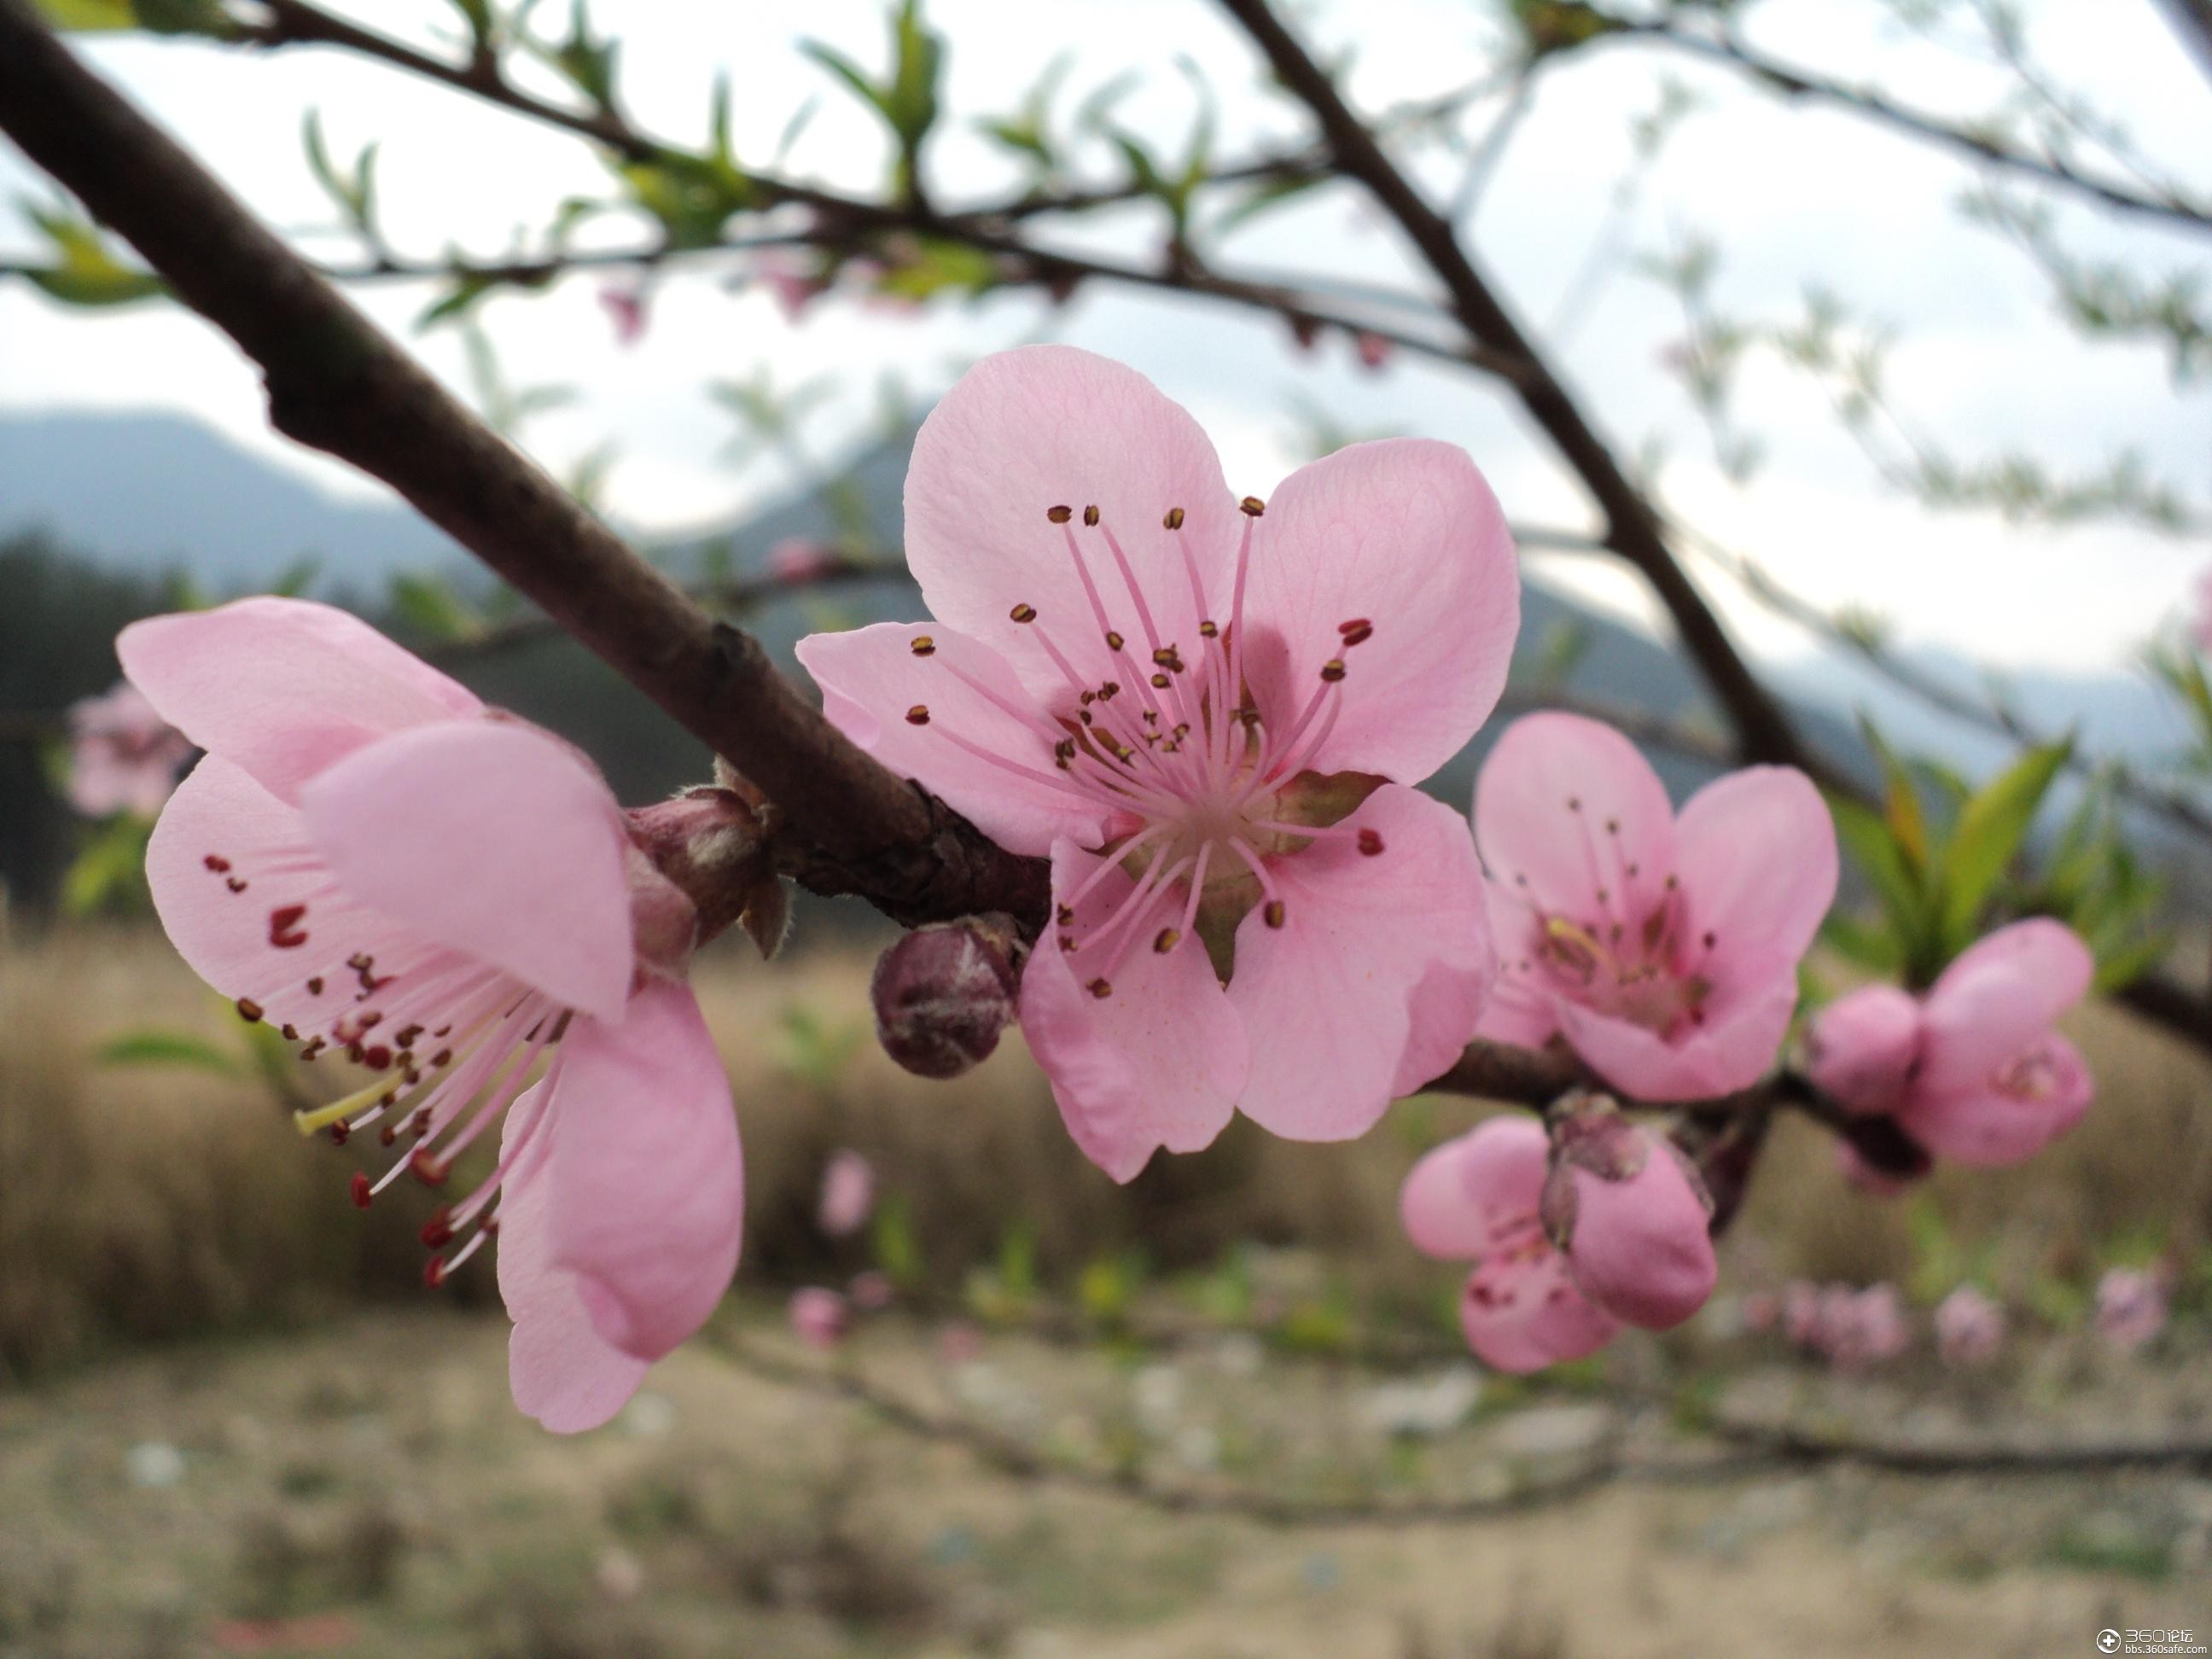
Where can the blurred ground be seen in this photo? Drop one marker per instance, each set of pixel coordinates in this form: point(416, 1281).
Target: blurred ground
point(368, 1490)
point(231, 1420)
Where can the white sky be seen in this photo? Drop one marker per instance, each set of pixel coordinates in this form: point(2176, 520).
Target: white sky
point(1792, 195)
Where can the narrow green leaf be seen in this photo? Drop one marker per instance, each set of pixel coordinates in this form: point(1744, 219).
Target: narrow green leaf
point(165, 1048)
point(1990, 829)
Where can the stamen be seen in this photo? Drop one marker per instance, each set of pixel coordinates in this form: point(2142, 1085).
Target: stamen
point(1174, 519)
point(918, 715)
point(1023, 613)
point(922, 646)
point(1059, 515)
point(1252, 506)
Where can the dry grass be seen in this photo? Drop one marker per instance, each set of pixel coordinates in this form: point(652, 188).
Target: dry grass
point(151, 1202)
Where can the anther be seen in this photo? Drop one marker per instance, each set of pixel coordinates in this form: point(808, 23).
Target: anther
point(284, 931)
point(922, 646)
point(1333, 670)
point(1091, 517)
point(361, 1192)
point(1272, 913)
point(341, 1132)
point(1099, 987)
point(291, 1033)
point(434, 1272)
point(249, 1011)
point(1161, 681)
point(426, 1168)
point(1065, 915)
point(1369, 842)
point(315, 986)
point(1357, 633)
point(1023, 613)
point(1252, 506)
point(1208, 630)
point(220, 865)
point(918, 715)
point(438, 1231)
point(1357, 625)
point(1174, 519)
point(1113, 641)
point(1167, 940)
point(1060, 514)
point(236, 884)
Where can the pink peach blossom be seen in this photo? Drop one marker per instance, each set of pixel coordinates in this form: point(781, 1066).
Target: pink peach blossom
point(1970, 1328)
point(124, 757)
point(872, 1290)
point(2130, 1307)
point(1477, 1199)
point(624, 305)
point(1859, 1329)
point(1664, 949)
point(819, 1317)
point(382, 868)
point(848, 1193)
point(794, 282)
point(1633, 1218)
point(800, 559)
point(1179, 703)
point(1972, 1071)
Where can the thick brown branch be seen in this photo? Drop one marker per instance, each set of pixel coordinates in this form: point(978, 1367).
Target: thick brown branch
point(337, 384)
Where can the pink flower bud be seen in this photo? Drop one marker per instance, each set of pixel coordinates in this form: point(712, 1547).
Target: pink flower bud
point(707, 842)
point(819, 1317)
point(1970, 1328)
point(2130, 1307)
point(1861, 1046)
point(1627, 1210)
point(798, 559)
point(848, 1193)
point(943, 993)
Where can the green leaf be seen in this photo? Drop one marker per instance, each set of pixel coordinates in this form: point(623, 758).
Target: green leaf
point(1900, 799)
point(1990, 829)
point(165, 1048)
point(89, 15)
point(894, 1244)
point(2128, 963)
point(430, 607)
point(1867, 838)
point(87, 272)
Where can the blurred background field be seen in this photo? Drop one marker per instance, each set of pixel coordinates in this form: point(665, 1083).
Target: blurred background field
point(236, 1421)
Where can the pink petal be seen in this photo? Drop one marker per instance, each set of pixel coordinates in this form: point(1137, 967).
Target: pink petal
point(1523, 1313)
point(1642, 1249)
point(1756, 854)
point(647, 1173)
point(1438, 1215)
point(871, 683)
point(1997, 998)
point(1158, 1063)
point(1861, 1046)
point(1987, 1126)
point(1520, 1007)
point(1501, 1171)
point(1339, 1001)
point(561, 1370)
point(493, 839)
point(1742, 1033)
point(221, 827)
point(1563, 806)
point(1048, 425)
point(1403, 535)
point(283, 687)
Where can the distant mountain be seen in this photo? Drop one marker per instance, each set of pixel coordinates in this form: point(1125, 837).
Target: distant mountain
point(139, 492)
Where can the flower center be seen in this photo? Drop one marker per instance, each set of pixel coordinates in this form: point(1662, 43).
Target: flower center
point(1206, 785)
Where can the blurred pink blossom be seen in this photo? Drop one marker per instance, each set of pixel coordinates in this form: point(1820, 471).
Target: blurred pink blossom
point(1094, 689)
point(848, 1193)
point(819, 1317)
point(872, 1290)
point(798, 559)
point(1374, 350)
point(368, 858)
point(2130, 1307)
point(1664, 949)
point(1974, 1071)
point(1861, 1328)
point(792, 281)
point(1970, 1327)
point(625, 304)
point(124, 757)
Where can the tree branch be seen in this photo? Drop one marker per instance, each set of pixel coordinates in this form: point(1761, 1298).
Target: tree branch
point(337, 383)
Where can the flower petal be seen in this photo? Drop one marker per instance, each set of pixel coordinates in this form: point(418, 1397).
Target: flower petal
point(493, 839)
point(1405, 536)
point(1997, 998)
point(1520, 1007)
point(647, 1178)
point(1562, 807)
point(1523, 1313)
point(1987, 1126)
point(1338, 1002)
point(1159, 1062)
point(283, 687)
point(561, 1370)
point(254, 913)
point(1047, 425)
point(872, 681)
point(1742, 1032)
point(1434, 1205)
point(1861, 1046)
point(1642, 1247)
point(1756, 855)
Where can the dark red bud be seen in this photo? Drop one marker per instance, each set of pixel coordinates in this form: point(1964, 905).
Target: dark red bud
point(943, 993)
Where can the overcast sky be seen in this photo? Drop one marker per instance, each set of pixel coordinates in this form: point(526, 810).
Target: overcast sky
point(1793, 195)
